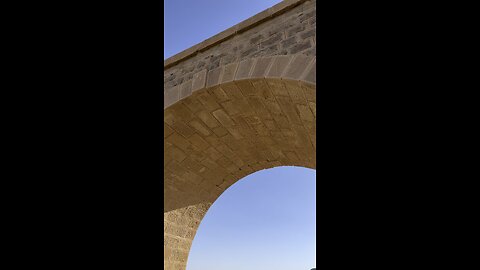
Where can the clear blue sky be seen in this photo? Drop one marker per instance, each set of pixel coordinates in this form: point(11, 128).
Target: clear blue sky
point(264, 221)
point(188, 22)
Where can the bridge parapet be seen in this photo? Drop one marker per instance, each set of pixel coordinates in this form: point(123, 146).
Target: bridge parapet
point(287, 28)
point(239, 102)
point(298, 68)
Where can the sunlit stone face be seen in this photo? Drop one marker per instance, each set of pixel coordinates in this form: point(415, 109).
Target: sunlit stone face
point(231, 110)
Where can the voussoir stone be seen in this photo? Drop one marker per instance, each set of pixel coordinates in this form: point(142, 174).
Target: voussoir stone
point(242, 101)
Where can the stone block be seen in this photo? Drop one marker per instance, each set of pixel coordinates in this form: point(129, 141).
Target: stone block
point(261, 67)
point(199, 79)
point(171, 95)
point(278, 66)
point(306, 44)
point(213, 77)
point(297, 66)
point(310, 72)
point(223, 118)
point(185, 89)
point(228, 74)
point(244, 69)
point(241, 101)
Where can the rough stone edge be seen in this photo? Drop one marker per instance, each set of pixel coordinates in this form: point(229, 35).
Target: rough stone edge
point(243, 26)
point(199, 81)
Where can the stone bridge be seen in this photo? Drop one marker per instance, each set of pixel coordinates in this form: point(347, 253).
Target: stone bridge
point(239, 102)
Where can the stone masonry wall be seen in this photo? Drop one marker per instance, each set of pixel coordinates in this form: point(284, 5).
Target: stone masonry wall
point(292, 32)
point(239, 102)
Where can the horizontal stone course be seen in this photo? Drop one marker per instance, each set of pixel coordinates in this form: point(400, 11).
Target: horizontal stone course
point(273, 36)
point(246, 25)
point(256, 127)
point(282, 66)
point(241, 101)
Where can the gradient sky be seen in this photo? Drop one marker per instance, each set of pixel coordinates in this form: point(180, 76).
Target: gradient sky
point(264, 221)
point(267, 219)
point(189, 22)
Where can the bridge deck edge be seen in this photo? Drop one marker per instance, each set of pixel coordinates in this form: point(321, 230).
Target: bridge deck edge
point(243, 26)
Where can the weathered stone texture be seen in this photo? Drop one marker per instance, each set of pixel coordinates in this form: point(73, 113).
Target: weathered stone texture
point(290, 33)
point(219, 135)
point(243, 104)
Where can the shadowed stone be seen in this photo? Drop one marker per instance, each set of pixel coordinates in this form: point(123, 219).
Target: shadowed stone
point(310, 73)
point(297, 67)
point(278, 66)
point(199, 80)
point(239, 102)
point(261, 67)
point(244, 69)
point(185, 89)
point(229, 72)
point(213, 77)
point(171, 96)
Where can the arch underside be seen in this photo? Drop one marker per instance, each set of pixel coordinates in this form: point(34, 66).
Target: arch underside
point(219, 135)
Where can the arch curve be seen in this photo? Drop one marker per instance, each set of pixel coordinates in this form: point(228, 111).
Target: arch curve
point(297, 68)
point(235, 120)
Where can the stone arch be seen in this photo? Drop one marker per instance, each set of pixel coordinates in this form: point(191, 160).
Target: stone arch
point(212, 216)
point(225, 124)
